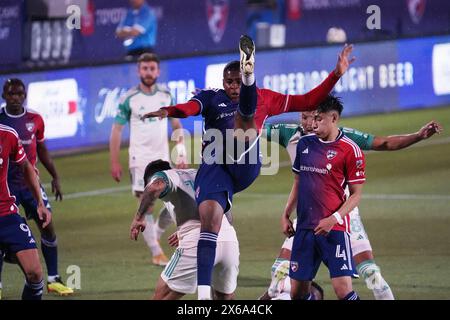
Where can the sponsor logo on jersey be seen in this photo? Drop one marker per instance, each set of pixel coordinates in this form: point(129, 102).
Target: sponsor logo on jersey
point(331, 154)
point(305, 151)
point(29, 126)
point(222, 104)
point(359, 164)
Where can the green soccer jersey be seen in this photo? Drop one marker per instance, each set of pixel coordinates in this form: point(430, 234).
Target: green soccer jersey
point(149, 137)
point(289, 134)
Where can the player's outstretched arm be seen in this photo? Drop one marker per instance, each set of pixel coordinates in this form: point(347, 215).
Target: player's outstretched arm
point(32, 182)
point(151, 192)
point(397, 142)
point(280, 103)
point(182, 110)
point(48, 163)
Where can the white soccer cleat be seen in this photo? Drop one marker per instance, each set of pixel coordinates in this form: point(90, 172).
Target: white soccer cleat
point(247, 52)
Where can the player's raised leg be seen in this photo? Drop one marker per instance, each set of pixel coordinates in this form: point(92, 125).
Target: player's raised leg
point(248, 94)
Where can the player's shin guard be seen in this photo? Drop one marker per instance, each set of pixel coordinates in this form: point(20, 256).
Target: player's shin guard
point(163, 222)
point(33, 291)
point(150, 238)
point(371, 274)
point(49, 249)
point(206, 254)
point(352, 296)
point(247, 100)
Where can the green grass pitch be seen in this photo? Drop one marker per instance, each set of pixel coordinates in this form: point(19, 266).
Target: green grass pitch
point(410, 237)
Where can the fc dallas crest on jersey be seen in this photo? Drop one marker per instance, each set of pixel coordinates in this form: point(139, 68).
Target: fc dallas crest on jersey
point(29, 126)
point(331, 154)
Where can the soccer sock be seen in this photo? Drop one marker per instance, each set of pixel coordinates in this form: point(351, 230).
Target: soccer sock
point(352, 296)
point(206, 254)
point(247, 100)
point(33, 291)
point(371, 274)
point(49, 249)
point(163, 222)
point(248, 80)
point(149, 235)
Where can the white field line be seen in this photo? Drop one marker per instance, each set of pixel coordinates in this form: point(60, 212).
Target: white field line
point(100, 192)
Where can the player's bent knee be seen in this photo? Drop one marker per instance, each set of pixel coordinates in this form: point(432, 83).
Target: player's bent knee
point(34, 274)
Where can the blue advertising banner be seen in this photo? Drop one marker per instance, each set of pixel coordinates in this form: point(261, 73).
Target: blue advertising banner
point(79, 105)
point(11, 20)
point(211, 26)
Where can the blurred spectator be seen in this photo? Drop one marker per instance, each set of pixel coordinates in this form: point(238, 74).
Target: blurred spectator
point(261, 15)
point(336, 35)
point(138, 29)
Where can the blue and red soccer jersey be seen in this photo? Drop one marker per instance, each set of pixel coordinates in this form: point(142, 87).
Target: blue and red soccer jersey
point(325, 169)
point(11, 151)
point(30, 127)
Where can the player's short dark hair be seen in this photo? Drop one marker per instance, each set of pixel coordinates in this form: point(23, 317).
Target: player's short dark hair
point(154, 167)
point(13, 82)
point(232, 66)
point(331, 103)
point(148, 57)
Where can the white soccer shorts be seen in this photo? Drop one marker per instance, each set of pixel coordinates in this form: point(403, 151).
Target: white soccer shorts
point(137, 179)
point(180, 274)
point(358, 236)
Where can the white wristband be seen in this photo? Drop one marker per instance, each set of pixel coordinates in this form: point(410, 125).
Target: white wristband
point(338, 217)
